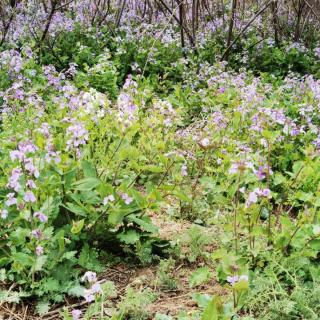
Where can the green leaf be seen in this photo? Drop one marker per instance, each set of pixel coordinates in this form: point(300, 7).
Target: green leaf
point(278, 179)
point(115, 217)
point(82, 211)
point(144, 223)
point(40, 262)
point(69, 255)
point(23, 259)
point(89, 169)
point(152, 168)
point(88, 259)
point(242, 285)
point(77, 226)
point(304, 196)
point(129, 237)
point(201, 275)
point(86, 184)
point(4, 261)
point(3, 275)
point(11, 296)
point(213, 310)
point(315, 244)
point(50, 207)
point(202, 299)
point(76, 291)
point(50, 284)
point(42, 307)
point(181, 196)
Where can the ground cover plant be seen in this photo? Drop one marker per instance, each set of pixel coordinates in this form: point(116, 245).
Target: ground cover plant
point(159, 160)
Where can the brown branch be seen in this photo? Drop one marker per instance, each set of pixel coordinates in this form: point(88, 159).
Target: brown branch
point(312, 9)
point(7, 26)
point(54, 4)
point(177, 20)
point(244, 29)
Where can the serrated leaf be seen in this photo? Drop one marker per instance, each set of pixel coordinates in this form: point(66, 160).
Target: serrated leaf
point(68, 255)
point(40, 262)
point(201, 275)
point(42, 307)
point(50, 207)
point(76, 291)
point(145, 225)
point(129, 237)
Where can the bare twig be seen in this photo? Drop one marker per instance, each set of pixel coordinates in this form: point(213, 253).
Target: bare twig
point(245, 28)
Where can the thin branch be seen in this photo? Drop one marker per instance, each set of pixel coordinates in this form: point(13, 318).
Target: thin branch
point(245, 28)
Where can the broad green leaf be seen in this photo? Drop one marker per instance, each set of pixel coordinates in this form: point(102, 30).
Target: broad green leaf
point(76, 209)
point(23, 259)
point(89, 169)
point(86, 184)
point(200, 276)
point(202, 299)
point(115, 217)
point(144, 223)
point(242, 285)
point(213, 309)
point(77, 226)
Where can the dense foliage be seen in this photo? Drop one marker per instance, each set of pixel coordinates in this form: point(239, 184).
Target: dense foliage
point(104, 123)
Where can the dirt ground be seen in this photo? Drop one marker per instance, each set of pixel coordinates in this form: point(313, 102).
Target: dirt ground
point(168, 302)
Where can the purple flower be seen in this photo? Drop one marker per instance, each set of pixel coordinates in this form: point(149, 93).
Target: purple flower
point(76, 314)
point(31, 184)
point(27, 147)
point(4, 213)
point(88, 295)
point(14, 179)
point(28, 164)
point(261, 173)
point(11, 200)
point(264, 192)
point(96, 288)
point(53, 155)
point(238, 166)
point(184, 170)
point(77, 136)
point(42, 217)
point(39, 250)
point(233, 280)
point(16, 155)
point(29, 197)
point(37, 233)
point(251, 199)
point(125, 197)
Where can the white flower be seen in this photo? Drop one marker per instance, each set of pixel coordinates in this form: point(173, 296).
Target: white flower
point(90, 277)
point(316, 230)
point(107, 199)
